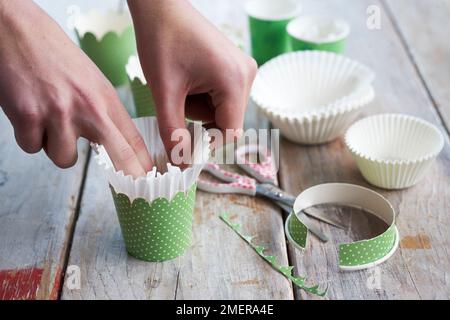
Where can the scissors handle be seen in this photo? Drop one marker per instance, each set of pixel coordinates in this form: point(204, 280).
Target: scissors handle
point(264, 170)
point(233, 182)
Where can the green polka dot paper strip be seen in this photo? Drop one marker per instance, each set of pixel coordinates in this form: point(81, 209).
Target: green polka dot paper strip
point(156, 231)
point(297, 232)
point(356, 255)
point(108, 39)
point(143, 99)
point(142, 95)
point(286, 271)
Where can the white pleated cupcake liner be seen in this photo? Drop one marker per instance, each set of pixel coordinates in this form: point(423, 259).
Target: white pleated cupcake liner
point(394, 151)
point(134, 70)
point(164, 180)
point(321, 128)
point(101, 23)
point(310, 83)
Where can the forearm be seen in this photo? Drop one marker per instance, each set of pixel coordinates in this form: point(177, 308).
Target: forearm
point(159, 14)
point(20, 22)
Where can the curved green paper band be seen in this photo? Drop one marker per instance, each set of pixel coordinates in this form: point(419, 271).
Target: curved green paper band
point(156, 231)
point(356, 255)
point(110, 53)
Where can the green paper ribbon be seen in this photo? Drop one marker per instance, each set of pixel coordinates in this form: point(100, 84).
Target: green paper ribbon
point(156, 231)
point(356, 255)
point(110, 53)
point(272, 260)
point(297, 232)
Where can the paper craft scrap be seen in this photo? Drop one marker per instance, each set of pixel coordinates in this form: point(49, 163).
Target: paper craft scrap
point(272, 260)
point(356, 255)
point(297, 232)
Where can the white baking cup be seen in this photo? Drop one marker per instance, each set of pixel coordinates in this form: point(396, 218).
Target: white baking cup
point(164, 180)
point(312, 96)
point(318, 29)
point(394, 151)
point(100, 23)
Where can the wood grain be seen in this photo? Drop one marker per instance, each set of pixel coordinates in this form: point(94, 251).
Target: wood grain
point(423, 209)
point(38, 203)
point(219, 265)
point(423, 26)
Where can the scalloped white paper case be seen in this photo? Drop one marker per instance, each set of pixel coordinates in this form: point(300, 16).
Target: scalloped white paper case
point(394, 151)
point(312, 96)
point(165, 180)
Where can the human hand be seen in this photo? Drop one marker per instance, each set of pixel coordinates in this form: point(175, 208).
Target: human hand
point(53, 93)
point(192, 69)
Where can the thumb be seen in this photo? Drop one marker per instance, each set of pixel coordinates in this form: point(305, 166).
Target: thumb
point(176, 138)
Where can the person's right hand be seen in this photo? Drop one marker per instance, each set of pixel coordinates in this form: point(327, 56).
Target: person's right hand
point(53, 93)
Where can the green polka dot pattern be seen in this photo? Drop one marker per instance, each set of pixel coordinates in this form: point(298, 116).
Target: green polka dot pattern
point(297, 231)
point(367, 251)
point(143, 99)
point(157, 231)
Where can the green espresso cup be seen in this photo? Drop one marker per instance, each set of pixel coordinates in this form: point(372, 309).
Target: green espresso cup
point(318, 33)
point(268, 20)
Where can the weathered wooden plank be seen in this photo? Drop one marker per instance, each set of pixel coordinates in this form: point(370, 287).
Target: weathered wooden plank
point(421, 272)
point(423, 25)
point(38, 203)
point(219, 265)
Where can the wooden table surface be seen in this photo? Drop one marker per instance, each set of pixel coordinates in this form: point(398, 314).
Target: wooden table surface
point(53, 221)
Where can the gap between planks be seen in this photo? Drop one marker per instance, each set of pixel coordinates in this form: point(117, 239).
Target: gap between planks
point(421, 77)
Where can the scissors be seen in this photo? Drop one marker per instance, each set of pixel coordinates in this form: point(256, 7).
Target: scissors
point(261, 183)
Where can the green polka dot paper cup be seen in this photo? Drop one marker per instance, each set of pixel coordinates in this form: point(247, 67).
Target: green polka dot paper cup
point(108, 39)
point(142, 95)
point(267, 21)
point(156, 211)
point(318, 33)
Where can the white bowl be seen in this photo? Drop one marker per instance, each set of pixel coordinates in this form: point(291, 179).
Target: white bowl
point(394, 151)
point(312, 96)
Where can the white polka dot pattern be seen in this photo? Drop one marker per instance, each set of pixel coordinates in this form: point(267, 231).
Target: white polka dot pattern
point(367, 251)
point(297, 231)
point(158, 231)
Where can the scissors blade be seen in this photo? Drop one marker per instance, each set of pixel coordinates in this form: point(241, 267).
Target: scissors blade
point(319, 215)
point(274, 193)
point(306, 221)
